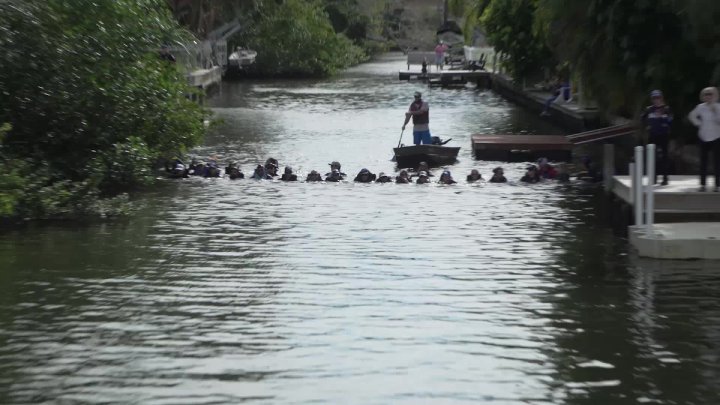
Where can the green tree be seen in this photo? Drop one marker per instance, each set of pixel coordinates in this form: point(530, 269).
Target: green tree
point(622, 49)
point(81, 81)
point(296, 38)
point(509, 25)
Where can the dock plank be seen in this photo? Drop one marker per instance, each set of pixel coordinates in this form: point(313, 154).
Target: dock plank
point(521, 147)
point(681, 196)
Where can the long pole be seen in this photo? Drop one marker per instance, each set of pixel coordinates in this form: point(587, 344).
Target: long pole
point(633, 183)
point(650, 195)
point(401, 134)
point(638, 200)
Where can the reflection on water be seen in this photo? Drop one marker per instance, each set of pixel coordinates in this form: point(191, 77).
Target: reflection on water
point(222, 291)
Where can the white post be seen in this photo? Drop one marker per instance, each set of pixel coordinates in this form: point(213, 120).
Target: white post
point(639, 185)
point(633, 183)
point(650, 205)
point(608, 165)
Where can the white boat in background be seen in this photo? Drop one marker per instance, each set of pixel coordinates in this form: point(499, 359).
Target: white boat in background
point(241, 58)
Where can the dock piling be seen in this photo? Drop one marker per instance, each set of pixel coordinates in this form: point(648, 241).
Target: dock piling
point(650, 193)
point(638, 185)
point(608, 165)
point(631, 171)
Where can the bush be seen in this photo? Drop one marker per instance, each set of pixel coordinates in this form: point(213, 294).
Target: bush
point(297, 39)
point(90, 103)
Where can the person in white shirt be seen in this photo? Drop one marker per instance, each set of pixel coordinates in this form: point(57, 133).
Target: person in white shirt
point(706, 116)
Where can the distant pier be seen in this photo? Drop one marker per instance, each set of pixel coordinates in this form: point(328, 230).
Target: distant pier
point(449, 77)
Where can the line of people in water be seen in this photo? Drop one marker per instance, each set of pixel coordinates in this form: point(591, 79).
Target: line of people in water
point(535, 173)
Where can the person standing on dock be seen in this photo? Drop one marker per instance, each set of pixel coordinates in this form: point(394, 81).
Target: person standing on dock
point(657, 118)
point(706, 116)
point(440, 50)
point(420, 113)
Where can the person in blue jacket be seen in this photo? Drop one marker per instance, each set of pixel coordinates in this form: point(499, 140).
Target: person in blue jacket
point(657, 118)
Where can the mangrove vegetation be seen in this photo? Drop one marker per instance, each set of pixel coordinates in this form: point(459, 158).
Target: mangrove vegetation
point(87, 103)
point(618, 50)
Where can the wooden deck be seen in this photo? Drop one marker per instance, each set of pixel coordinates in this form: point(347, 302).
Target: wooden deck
point(513, 148)
point(532, 147)
point(448, 77)
point(681, 196)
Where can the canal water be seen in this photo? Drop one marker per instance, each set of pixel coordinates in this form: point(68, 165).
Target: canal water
point(266, 293)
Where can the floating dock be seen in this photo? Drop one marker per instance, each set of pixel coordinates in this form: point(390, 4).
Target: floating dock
point(449, 77)
point(680, 196)
point(520, 148)
point(680, 240)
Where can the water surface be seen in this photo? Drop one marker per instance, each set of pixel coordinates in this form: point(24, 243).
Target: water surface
point(261, 292)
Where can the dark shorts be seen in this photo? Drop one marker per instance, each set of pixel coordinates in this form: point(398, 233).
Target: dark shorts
point(422, 137)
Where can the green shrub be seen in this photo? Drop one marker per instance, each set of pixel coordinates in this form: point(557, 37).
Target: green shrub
point(90, 103)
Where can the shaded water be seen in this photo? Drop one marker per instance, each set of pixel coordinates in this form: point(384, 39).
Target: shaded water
point(224, 292)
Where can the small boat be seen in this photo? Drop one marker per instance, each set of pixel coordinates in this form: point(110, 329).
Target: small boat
point(241, 59)
point(434, 155)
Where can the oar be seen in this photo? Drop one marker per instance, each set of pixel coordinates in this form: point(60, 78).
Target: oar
point(399, 142)
point(401, 134)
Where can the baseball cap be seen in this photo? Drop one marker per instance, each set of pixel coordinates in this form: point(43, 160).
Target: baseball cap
point(656, 93)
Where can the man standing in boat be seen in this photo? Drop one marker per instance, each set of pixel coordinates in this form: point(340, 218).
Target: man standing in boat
point(420, 113)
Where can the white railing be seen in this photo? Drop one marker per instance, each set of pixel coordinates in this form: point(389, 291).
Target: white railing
point(643, 192)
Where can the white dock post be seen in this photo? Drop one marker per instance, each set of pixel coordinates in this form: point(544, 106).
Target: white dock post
point(638, 185)
point(608, 165)
point(633, 183)
point(650, 194)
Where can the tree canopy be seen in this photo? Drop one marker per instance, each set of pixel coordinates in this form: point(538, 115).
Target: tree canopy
point(89, 102)
point(619, 49)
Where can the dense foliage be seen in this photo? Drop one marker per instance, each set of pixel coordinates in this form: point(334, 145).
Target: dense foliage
point(624, 48)
point(509, 25)
point(89, 102)
point(618, 49)
point(296, 38)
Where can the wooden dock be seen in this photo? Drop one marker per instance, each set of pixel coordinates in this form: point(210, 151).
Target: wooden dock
point(681, 196)
point(448, 77)
point(519, 148)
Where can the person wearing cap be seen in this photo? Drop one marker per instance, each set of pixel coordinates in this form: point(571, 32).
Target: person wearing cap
point(446, 178)
point(422, 178)
point(531, 175)
point(424, 167)
point(383, 178)
point(420, 112)
point(211, 169)
point(402, 177)
point(498, 176)
point(474, 176)
point(365, 176)
point(271, 166)
point(288, 175)
point(260, 173)
point(334, 176)
point(546, 170)
point(176, 168)
point(657, 118)
point(313, 176)
point(706, 116)
point(233, 171)
point(335, 165)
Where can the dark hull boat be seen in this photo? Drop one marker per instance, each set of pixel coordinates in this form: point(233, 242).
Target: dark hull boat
point(434, 155)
